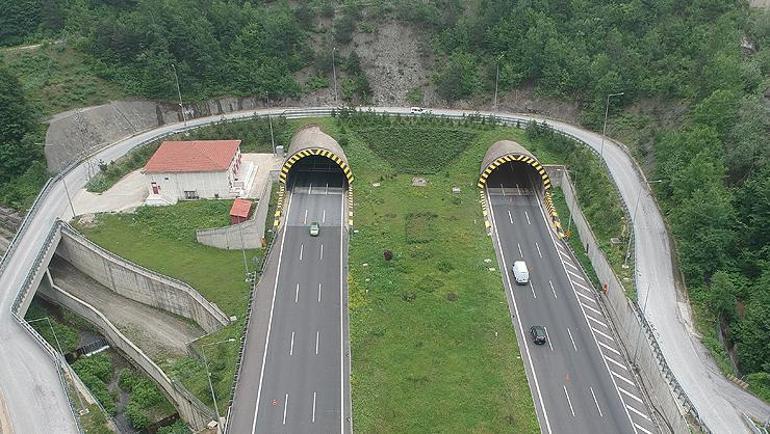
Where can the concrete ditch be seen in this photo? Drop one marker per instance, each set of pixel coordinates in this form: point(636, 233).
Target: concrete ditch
point(190, 408)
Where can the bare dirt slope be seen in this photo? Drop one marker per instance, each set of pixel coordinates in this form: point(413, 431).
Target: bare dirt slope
point(157, 333)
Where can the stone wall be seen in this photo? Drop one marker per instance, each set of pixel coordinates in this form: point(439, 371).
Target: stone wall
point(246, 235)
point(634, 333)
point(138, 283)
point(194, 412)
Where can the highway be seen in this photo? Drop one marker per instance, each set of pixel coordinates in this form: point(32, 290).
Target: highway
point(302, 381)
point(39, 403)
point(580, 381)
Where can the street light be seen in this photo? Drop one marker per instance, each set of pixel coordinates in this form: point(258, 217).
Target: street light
point(334, 75)
point(497, 77)
point(179, 92)
point(208, 375)
point(606, 114)
point(633, 219)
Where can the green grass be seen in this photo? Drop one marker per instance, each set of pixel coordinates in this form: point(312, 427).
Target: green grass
point(95, 422)
point(163, 239)
point(431, 338)
point(57, 78)
point(412, 148)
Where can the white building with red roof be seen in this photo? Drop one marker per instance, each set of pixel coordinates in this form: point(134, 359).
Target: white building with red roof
point(196, 169)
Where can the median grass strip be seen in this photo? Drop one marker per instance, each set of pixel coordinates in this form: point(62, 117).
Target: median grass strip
point(432, 343)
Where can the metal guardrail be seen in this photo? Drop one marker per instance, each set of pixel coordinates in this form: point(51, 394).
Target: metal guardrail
point(245, 332)
point(303, 113)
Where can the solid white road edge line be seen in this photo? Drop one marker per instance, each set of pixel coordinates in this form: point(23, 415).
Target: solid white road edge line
point(518, 318)
point(342, 306)
point(270, 320)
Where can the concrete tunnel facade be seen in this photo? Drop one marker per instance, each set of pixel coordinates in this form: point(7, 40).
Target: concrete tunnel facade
point(508, 151)
point(308, 143)
point(311, 141)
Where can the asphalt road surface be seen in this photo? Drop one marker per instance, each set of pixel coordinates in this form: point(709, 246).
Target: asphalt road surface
point(302, 384)
point(580, 380)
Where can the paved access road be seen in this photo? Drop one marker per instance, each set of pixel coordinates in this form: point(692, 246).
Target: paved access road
point(580, 380)
point(302, 381)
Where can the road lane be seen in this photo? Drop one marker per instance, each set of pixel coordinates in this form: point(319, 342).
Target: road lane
point(572, 375)
point(302, 386)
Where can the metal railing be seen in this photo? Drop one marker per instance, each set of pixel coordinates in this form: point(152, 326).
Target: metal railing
point(294, 114)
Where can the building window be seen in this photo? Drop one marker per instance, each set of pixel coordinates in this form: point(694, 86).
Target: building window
point(191, 194)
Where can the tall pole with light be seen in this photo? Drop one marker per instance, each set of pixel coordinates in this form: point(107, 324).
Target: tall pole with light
point(606, 115)
point(497, 78)
point(208, 376)
point(334, 75)
point(179, 92)
point(633, 219)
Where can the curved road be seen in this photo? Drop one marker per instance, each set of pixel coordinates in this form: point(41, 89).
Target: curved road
point(39, 404)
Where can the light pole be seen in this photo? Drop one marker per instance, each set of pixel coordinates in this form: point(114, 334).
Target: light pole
point(334, 75)
point(179, 92)
point(606, 114)
point(497, 77)
point(633, 219)
point(272, 137)
point(69, 198)
point(208, 375)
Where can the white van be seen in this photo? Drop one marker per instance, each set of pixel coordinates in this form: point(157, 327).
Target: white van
point(520, 272)
point(417, 110)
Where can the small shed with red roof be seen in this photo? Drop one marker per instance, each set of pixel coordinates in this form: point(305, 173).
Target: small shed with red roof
point(194, 169)
point(240, 211)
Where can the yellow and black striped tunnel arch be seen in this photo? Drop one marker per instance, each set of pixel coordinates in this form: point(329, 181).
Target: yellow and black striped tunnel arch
point(294, 158)
point(511, 158)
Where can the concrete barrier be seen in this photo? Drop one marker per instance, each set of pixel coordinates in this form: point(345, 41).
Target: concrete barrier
point(666, 398)
point(246, 235)
point(193, 411)
point(138, 283)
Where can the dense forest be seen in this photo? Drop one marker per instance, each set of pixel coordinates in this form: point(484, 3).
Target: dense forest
point(711, 56)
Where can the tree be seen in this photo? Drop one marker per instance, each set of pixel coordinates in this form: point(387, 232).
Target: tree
point(459, 78)
point(17, 123)
point(721, 297)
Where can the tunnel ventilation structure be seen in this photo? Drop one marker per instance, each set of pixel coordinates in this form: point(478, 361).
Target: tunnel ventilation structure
point(312, 150)
point(508, 151)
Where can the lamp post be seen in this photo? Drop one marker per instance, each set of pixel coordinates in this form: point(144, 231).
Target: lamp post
point(272, 137)
point(497, 77)
point(208, 376)
point(606, 114)
point(179, 92)
point(633, 218)
point(334, 75)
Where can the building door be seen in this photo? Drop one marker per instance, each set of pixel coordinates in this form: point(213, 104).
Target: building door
point(155, 188)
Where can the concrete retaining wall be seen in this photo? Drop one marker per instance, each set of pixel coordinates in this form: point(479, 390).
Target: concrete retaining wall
point(635, 335)
point(138, 283)
point(194, 412)
point(246, 235)
point(83, 131)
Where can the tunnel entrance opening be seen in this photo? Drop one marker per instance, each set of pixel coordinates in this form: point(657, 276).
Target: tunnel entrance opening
point(316, 171)
point(515, 177)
